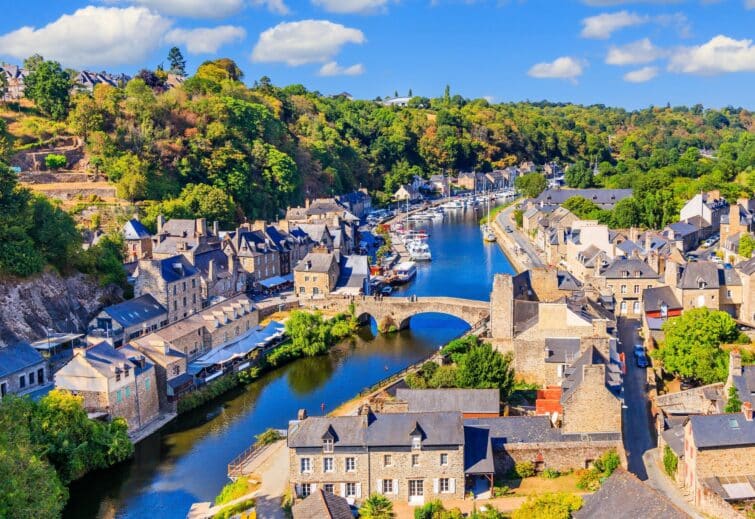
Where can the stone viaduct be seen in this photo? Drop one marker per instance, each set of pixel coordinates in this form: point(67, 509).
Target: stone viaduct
point(394, 313)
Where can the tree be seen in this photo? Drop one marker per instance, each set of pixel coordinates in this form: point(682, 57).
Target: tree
point(377, 506)
point(48, 85)
point(176, 61)
point(579, 175)
point(746, 245)
point(85, 116)
point(3, 86)
point(55, 161)
point(559, 505)
point(691, 348)
point(482, 367)
point(530, 184)
point(150, 78)
point(733, 403)
point(627, 213)
point(307, 332)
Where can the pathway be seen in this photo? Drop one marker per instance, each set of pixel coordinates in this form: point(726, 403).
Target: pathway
point(659, 481)
point(525, 255)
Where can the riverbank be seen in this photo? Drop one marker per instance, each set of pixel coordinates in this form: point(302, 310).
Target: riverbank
point(517, 247)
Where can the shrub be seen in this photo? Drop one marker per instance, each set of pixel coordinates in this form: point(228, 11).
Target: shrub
point(524, 469)
point(236, 510)
point(267, 437)
point(733, 404)
point(54, 161)
point(670, 461)
point(376, 506)
point(602, 468)
point(233, 490)
point(550, 473)
point(501, 491)
point(559, 505)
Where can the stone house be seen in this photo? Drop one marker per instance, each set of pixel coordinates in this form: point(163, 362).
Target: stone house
point(256, 253)
point(441, 184)
point(551, 234)
point(626, 279)
point(406, 192)
point(220, 275)
point(114, 383)
point(329, 211)
point(710, 207)
point(739, 219)
point(183, 236)
point(467, 180)
point(127, 320)
point(412, 457)
point(746, 271)
point(138, 241)
point(174, 282)
point(741, 377)
point(684, 235)
point(358, 203)
point(659, 304)
point(317, 274)
point(170, 368)
point(22, 370)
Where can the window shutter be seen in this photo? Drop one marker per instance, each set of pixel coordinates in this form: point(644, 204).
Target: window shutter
point(379, 486)
point(312, 487)
point(359, 490)
point(452, 485)
point(297, 489)
point(395, 486)
point(343, 489)
point(435, 485)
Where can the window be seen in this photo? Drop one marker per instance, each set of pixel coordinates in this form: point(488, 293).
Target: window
point(176, 369)
point(193, 283)
point(184, 286)
point(444, 485)
point(636, 307)
point(174, 289)
point(387, 486)
point(387, 460)
point(623, 307)
point(327, 445)
point(728, 294)
point(22, 381)
point(118, 396)
point(31, 378)
point(3, 389)
point(184, 299)
point(41, 376)
point(415, 460)
point(416, 488)
point(315, 290)
point(305, 464)
point(444, 459)
point(302, 290)
point(351, 489)
point(351, 464)
point(146, 385)
point(637, 289)
point(327, 464)
point(328, 487)
point(623, 289)
point(175, 305)
point(306, 489)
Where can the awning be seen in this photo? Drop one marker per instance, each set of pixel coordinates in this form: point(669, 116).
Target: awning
point(55, 340)
point(274, 281)
point(181, 380)
point(242, 347)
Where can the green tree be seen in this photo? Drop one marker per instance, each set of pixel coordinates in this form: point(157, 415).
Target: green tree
point(579, 175)
point(746, 245)
point(55, 161)
point(485, 368)
point(176, 61)
point(518, 215)
point(627, 213)
point(530, 184)
point(559, 505)
point(670, 461)
point(307, 332)
point(733, 403)
point(3, 86)
point(85, 116)
point(691, 348)
point(377, 506)
point(48, 85)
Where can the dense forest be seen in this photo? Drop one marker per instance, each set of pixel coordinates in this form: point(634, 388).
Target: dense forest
point(216, 148)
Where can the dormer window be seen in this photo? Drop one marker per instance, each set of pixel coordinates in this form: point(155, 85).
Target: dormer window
point(327, 445)
point(625, 274)
point(416, 443)
point(701, 284)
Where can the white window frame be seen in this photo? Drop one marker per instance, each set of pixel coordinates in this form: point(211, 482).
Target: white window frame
point(350, 493)
point(415, 460)
point(328, 464)
point(443, 459)
point(305, 489)
point(305, 462)
point(353, 461)
point(416, 443)
point(387, 486)
point(387, 460)
point(444, 485)
point(327, 445)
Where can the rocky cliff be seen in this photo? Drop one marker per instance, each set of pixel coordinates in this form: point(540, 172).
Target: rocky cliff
point(49, 301)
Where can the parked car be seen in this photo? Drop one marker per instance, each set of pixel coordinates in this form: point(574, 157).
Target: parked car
point(716, 259)
point(642, 360)
point(639, 349)
point(509, 229)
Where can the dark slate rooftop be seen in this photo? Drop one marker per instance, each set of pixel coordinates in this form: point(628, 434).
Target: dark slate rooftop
point(623, 496)
point(17, 357)
point(316, 262)
point(601, 197)
point(697, 272)
point(653, 298)
point(136, 311)
point(747, 267)
point(562, 350)
point(745, 384)
point(722, 430)
point(517, 429)
point(478, 451)
point(567, 282)
point(322, 505)
point(682, 229)
point(634, 267)
point(202, 263)
point(176, 268)
point(461, 400)
point(135, 230)
point(354, 270)
point(574, 373)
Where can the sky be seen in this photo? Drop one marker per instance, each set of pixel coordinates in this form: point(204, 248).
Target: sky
point(628, 53)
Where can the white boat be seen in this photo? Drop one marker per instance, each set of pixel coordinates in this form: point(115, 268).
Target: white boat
point(419, 250)
point(453, 204)
point(488, 234)
point(404, 272)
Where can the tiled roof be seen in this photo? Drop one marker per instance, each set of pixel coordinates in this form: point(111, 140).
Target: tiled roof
point(623, 496)
point(17, 357)
point(462, 400)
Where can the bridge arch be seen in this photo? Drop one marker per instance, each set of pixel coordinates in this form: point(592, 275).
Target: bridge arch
point(393, 313)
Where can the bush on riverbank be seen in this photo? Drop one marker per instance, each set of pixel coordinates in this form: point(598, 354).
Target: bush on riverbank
point(208, 392)
point(234, 490)
point(267, 437)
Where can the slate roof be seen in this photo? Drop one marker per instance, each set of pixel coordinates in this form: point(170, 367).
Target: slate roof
point(604, 198)
point(462, 400)
point(623, 496)
point(17, 357)
point(318, 262)
point(176, 268)
point(675, 439)
point(379, 430)
point(697, 271)
point(478, 451)
point(653, 298)
point(136, 311)
point(631, 265)
point(567, 282)
point(516, 429)
point(745, 384)
point(322, 505)
point(135, 230)
point(722, 430)
point(202, 263)
point(562, 350)
point(747, 267)
point(574, 373)
point(354, 270)
point(318, 232)
point(682, 229)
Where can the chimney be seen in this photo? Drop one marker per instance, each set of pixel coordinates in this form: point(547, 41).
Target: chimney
point(306, 203)
point(747, 410)
point(364, 410)
point(211, 271)
point(735, 363)
point(200, 226)
point(599, 328)
point(648, 241)
point(301, 414)
point(671, 275)
point(160, 223)
point(215, 228)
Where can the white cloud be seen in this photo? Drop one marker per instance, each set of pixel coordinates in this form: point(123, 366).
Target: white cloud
point(608, 3)
point(718, 56)
point(306, 41)
point(193, 8)
point(91, 37)
point(601, 26)
point(635, 53)
point(564, 67)
point(274, 6)
point(352, 6)
point(749, 4)
point(205, 40)
point(332, 68)
point(641, 75)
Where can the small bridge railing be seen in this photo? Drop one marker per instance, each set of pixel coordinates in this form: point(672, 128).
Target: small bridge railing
point(237, 464)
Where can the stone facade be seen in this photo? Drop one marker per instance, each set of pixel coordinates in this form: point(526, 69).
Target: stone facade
point(561, 456)
point(29, 373)
point(592, 408)
point(316, 275)
point(179, 291)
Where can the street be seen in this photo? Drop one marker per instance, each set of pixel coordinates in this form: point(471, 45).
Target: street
point(505, 220)
point(639, 434)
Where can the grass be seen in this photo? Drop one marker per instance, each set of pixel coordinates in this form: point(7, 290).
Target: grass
point(236, 489)
point(538, 485)
point(495, 210)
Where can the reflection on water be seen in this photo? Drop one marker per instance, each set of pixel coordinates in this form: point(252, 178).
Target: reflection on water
point(186, 462)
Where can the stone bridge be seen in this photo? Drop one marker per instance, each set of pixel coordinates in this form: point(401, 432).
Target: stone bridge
point(394, 313)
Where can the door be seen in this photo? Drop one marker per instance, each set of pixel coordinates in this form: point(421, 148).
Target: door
point(416, 491)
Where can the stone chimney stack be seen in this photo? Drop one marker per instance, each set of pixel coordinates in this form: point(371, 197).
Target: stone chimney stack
point(211, 270)
point(599, 327)
point(160, 223)
point(306, 203)
point(502, 307)
point(301, 414)
point(671, 275)
point(200, 226)
point(747, 411)
point(215, 228)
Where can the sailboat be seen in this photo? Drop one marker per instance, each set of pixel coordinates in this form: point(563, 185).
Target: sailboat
point(487, 229)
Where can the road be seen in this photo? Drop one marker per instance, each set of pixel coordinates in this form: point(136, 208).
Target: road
point(505, 220)
point(639, 433)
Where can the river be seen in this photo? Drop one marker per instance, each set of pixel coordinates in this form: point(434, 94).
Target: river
point(186, 462)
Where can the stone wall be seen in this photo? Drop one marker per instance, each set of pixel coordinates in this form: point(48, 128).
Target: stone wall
point(337, 477)
point(12, 381)
point(561, 456)
point(592, 407)
point(708, 501)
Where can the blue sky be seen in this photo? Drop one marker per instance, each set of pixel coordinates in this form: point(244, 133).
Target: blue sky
point(617, 52)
